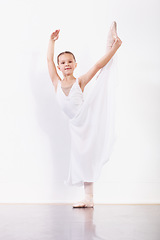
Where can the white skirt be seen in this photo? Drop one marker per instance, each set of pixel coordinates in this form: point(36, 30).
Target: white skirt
point(93, 129)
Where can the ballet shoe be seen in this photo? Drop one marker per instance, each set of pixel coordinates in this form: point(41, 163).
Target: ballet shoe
point(84, 204)
point(112, 35)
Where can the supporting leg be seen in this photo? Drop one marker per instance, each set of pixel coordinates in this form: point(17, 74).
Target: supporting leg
point(88, 189)
point(88, 200)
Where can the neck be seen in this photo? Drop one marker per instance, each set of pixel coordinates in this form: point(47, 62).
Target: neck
point(69, 78)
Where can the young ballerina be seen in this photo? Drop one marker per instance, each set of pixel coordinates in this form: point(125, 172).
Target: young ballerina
point(92, 134)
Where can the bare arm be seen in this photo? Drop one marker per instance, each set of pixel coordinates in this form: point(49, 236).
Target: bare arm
point(100, 64)
point(50, 58)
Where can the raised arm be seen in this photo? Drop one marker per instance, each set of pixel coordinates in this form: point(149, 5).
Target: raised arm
point(84, 79)
point(50, 58)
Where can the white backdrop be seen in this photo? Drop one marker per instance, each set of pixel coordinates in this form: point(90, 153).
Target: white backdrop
point(34, 136)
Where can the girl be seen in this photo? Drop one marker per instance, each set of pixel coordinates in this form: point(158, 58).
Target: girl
point(91, 119)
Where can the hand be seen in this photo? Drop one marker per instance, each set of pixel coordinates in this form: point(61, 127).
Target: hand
point(117, 43)
point(55, 35)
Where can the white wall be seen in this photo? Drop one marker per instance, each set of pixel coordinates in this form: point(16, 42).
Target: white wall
point(34, 135)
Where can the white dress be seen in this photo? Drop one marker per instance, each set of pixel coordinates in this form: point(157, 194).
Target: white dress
point(91, 124)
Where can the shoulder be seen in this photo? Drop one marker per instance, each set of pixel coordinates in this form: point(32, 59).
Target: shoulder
point(81, 81)
point(85, 78)
point(56, 82)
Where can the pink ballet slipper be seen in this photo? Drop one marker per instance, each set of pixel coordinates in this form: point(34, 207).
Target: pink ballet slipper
point(112, 35)
point(84, 204)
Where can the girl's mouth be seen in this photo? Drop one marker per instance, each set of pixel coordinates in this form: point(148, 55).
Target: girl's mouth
point(67, 68)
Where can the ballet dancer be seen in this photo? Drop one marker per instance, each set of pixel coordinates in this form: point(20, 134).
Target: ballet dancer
point(87, 150)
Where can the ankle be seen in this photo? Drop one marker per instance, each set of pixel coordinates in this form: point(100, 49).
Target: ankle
point(89, 197)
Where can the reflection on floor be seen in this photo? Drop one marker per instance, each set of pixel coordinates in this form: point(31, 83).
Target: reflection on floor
point(62, 222)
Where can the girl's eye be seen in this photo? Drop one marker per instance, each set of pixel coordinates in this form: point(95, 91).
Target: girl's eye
point(70, 61)
point(62, 62)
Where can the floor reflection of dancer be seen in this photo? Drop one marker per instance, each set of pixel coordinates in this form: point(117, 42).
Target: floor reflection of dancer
point(83, 225)
point(70, 91)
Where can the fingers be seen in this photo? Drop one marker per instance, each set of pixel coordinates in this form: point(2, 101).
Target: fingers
point(117, 43)
point(55, 34)
point(118, 40)
point(57, 31)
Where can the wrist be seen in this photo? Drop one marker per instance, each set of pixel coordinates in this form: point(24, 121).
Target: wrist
point(52, 40)
point(115, 47)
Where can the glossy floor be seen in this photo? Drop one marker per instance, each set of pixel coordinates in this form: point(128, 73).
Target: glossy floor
point(62, 222)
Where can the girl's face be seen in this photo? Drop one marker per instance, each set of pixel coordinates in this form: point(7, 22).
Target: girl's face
point(66, 64)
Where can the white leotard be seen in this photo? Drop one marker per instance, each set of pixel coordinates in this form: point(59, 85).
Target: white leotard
point(70, 104)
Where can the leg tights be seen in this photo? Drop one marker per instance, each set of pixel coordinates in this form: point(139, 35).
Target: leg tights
point(88, 190)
